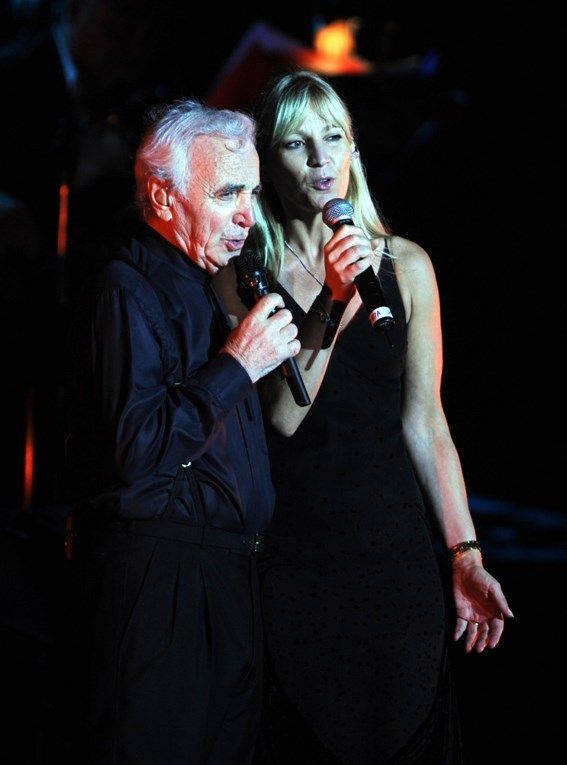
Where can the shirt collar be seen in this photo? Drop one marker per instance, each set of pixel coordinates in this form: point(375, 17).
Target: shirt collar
point(164, 250)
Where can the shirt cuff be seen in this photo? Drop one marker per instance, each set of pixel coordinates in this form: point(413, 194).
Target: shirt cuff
point(226, 379)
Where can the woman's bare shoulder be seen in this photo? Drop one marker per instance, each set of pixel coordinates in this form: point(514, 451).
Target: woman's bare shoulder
point(411, 261)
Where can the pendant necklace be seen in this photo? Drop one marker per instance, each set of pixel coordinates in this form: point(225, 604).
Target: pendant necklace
point(293, 252)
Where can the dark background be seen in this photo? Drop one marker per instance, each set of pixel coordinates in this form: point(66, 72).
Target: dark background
point(453, 153)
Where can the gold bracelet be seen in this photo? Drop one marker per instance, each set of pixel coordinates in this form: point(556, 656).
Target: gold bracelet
point(462, 547)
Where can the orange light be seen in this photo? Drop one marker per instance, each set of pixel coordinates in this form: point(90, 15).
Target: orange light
point(63, 220)
point(336, 40)
point(29, 451)
point(334, 50)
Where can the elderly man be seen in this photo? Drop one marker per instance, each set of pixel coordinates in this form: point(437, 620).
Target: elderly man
point(167, 447)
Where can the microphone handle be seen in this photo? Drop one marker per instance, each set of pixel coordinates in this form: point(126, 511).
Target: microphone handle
point(288, 368)
point(370, 291)
point(291, 374)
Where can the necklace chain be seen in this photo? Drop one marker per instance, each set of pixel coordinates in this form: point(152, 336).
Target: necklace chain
point(293, 252)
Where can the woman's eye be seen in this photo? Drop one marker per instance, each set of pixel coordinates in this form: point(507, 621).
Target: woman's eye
point(292, 144)
point(334, 137)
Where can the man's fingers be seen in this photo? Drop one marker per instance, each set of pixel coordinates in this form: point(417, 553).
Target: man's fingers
point(289, 332)
point(294, 347)
point(267, 304)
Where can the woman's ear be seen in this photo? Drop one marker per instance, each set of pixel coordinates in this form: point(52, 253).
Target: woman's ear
point(354, 151)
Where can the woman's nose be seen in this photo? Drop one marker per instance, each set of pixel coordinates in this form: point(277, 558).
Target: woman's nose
point(318, 156)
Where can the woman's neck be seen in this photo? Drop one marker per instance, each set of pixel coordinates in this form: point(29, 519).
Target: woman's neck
point(307, 239)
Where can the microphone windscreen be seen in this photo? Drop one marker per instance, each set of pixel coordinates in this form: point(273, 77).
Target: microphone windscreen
point(248, 261)
point(337, 210)
point(251, 275)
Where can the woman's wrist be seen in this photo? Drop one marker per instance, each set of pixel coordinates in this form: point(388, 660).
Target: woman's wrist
point(327, 316)
point(334, 323)
point(321, 305)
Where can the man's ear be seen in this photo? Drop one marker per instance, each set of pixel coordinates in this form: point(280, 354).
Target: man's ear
point(160, 198)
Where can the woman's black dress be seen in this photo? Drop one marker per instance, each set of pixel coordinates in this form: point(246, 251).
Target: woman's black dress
point(353, 602)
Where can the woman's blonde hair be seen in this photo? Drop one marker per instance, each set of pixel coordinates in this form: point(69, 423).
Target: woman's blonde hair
point(282, 108)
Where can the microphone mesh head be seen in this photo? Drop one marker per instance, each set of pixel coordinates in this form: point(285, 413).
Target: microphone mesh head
point(248, 261)
point(251, 275)
point(336, 210)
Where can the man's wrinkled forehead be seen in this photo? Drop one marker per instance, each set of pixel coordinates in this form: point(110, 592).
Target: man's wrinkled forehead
point(218, 161)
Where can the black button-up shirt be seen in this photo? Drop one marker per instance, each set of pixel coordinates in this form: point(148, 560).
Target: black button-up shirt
point(132, 428)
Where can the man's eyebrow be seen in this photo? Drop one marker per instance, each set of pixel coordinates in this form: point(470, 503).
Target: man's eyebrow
point(231, 188)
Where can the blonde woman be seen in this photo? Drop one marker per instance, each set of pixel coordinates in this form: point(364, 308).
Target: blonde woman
point(356, 621)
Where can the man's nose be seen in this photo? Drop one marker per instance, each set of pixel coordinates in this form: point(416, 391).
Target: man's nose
point(245, 215)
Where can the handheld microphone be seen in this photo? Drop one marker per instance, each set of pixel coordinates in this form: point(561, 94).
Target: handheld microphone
point(339, 212)
point(253, 279)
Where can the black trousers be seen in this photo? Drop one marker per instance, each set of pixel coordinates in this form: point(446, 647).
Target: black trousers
point(174, 643)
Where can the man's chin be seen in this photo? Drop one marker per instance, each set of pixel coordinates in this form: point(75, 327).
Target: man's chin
point(218, 265)
point(221, 260)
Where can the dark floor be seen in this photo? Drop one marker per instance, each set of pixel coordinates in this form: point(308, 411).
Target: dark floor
point(507, 696)
point(511, 705)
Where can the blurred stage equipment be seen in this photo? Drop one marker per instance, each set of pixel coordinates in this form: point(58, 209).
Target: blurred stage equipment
point(335, 50)
point(264, 50)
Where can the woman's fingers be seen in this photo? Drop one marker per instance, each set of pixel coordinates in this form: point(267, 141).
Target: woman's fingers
point(479, 635)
